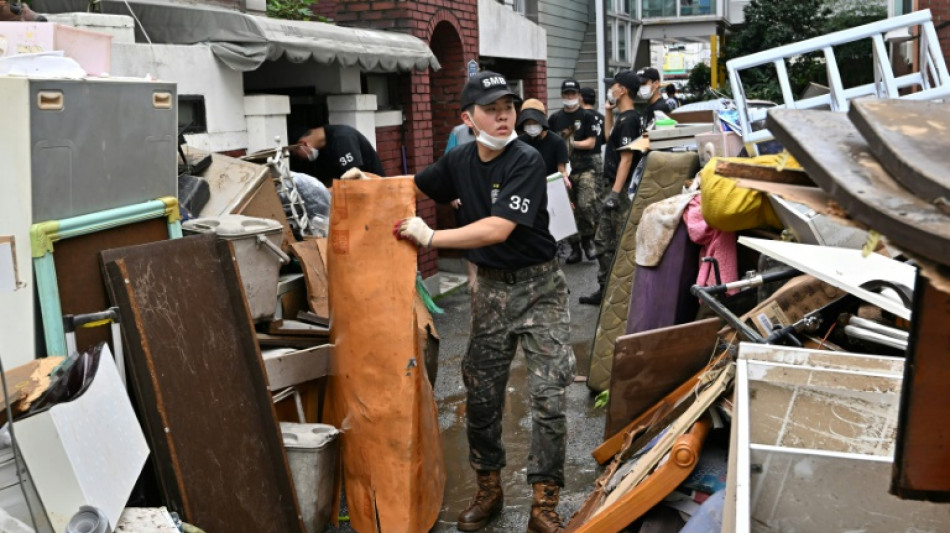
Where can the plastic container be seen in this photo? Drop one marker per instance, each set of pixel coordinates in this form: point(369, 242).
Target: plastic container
point(313, 452)
point(256, 243)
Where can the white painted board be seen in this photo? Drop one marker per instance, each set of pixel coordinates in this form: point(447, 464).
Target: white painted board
point(561, 224)
point(843, 268)
point(88, 451)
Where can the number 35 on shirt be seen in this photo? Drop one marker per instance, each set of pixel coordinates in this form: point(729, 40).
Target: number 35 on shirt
point(346, 159)
point(519, 204)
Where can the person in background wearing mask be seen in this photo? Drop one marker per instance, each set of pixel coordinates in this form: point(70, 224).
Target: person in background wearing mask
point(533, 122)
point(576, 125)
point(650, 91)
point(623, 126)
point(328, 151)
point(522, 297)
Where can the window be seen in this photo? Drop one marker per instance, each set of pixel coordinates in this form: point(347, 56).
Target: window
point(659, 8)
point(191, 114)
point(623, 40)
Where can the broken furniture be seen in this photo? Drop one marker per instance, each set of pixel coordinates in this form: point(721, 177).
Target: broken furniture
point(256, 244)
point(378, 392)
point(813, 442)
point(922, 458)
point(87, 295)
point(201, 386)
point(57, 167)
point(85, 451)
point(932, 77)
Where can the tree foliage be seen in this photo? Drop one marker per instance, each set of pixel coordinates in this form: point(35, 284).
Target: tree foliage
point(772, 23)
point(292, 10)
point(699, 78)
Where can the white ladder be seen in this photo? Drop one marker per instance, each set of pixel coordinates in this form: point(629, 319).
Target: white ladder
point(932, 77)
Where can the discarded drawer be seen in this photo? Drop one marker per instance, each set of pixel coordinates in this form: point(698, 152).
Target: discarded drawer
point(813, 443)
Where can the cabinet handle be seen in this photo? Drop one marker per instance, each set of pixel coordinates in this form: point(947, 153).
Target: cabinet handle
point(50, 100)
point(162, 100)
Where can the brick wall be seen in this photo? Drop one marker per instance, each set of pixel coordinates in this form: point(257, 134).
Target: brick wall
point(940, 10)
point(389, 148)
point(534, 76)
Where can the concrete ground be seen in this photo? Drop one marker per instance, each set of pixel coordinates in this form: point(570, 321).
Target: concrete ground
point(585, 424)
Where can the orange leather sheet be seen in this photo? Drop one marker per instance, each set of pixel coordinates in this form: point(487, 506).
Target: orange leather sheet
point(378, 393)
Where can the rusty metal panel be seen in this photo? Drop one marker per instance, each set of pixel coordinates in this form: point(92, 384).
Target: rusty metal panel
point(201, 383)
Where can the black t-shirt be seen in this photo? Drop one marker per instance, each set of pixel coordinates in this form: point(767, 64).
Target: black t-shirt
point(581, 121)
point(552, 148)
point(650, 112)
point(511, 186)
point(627, 128)
point(346, 148)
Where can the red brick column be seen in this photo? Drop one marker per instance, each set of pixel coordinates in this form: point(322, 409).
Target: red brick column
point(940, 10)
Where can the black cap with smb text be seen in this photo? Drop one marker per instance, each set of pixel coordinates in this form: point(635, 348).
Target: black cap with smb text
point(484, 88)
point(570, 85)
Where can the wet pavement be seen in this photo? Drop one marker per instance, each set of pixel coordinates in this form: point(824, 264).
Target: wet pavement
point(585, 424)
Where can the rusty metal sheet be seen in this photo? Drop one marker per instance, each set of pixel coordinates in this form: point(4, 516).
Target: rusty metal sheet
point(911, 139)
point(837, 157)
point(200, 380)
point(649, 365)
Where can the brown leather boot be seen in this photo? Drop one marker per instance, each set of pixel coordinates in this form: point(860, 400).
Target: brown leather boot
point(544, 517)
point(487, 503)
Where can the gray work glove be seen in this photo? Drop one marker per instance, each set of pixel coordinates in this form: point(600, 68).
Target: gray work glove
point(613, 201)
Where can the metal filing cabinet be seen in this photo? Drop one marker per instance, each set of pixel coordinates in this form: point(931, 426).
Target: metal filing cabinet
point(73, 147)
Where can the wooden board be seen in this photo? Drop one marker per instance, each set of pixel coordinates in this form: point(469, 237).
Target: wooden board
point(735, 169)
point(312, 259)
point(79, 277)
point(922, 458)
point(911, 139)
point(649, 365)
point(26, 383)
point(840, 161)
point(201, 385)
point(264, 202)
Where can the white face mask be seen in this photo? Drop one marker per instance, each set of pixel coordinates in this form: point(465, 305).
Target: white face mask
point(494, 143)
point(533, 129)
point(573, 102)
point(611, 98)
point(312, 153)
point(646, 92)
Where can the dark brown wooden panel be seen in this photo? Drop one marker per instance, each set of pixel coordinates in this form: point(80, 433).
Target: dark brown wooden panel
point(81, 286)
point(911, 139)
point(837, 157)
point(649, 365)
point(922, 457)
point(199, 374)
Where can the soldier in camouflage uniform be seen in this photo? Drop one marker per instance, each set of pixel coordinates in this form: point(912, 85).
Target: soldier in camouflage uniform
point(521, 297)
point(622, 128)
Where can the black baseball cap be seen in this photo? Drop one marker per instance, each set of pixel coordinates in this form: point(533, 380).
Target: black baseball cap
point(649, 74)
point(485, 88)
point(589, 95)
point(570, 85)
point(627, 79)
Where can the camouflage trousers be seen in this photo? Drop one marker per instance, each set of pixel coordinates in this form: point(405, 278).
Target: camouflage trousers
point(586, 201)
point(608, 234)
point(533, 312)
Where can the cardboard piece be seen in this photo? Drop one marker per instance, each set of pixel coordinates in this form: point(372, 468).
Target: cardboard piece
point(377, 392)
point(26, 384)
point(313, 264)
